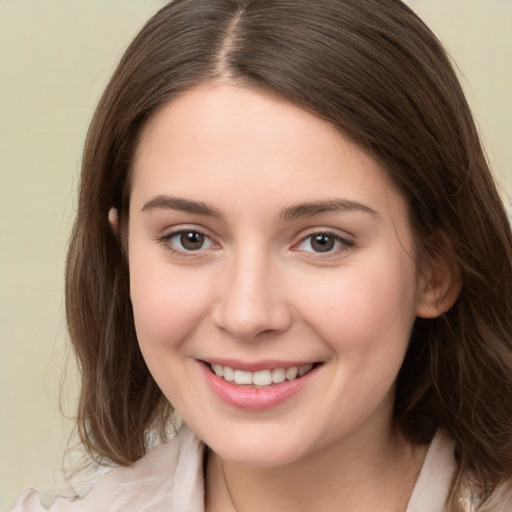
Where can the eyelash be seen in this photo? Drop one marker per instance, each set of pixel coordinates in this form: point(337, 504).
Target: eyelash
point(166, 241)
point(344, 243)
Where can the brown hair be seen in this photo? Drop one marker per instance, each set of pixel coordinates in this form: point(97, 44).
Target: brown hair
point(375, 71)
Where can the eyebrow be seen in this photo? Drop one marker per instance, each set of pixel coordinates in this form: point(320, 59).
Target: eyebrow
point(309, 209)
point(313, 208)
point(164, 202)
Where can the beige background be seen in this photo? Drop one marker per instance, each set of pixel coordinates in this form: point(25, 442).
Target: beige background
point(55, 58)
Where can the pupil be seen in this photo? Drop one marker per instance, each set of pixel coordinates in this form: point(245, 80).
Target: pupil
point(192, 241)
point(322, 243)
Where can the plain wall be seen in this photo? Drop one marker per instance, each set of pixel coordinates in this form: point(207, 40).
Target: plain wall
point(55, 58)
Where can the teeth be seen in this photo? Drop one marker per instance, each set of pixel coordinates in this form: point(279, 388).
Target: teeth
point(278, 375)
point(262, 377)
point(304, 369)
point(242, 377)
point(292, 373)
point(229, 374)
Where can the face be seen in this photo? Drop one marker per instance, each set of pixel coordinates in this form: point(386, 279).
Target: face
point(272, 275)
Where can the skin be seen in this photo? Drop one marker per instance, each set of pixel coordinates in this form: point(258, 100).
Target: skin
point(258, 289)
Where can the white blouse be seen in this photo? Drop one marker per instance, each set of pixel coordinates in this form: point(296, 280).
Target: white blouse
point(170, 478)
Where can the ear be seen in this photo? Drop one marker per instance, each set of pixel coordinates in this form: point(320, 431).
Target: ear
point(113, 220)
point(440, 279)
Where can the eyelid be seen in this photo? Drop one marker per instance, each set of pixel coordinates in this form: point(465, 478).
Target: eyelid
point(346, 241)
point(170, 233)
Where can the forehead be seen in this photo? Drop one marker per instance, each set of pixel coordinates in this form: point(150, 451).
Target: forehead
point(220, 115)
point(238, 145)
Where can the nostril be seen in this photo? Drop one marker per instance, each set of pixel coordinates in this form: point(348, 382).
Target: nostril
point(249, 304)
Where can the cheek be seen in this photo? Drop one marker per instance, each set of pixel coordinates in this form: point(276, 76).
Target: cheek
point(168, 302)
point(169, 305)
point(368, 307)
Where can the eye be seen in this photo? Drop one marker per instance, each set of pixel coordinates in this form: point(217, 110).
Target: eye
point(323, 243)
point(188, 241)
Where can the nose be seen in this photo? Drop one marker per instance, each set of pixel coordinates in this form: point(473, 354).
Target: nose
point(252, 299)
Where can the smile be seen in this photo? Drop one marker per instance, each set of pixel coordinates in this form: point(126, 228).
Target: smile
point(266, 387)
point(266, 377)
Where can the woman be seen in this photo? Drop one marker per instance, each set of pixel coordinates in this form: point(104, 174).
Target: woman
point(288, 233)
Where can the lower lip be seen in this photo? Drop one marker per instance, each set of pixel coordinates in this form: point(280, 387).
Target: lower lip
point(255, 399)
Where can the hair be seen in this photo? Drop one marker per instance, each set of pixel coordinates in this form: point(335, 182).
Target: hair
point(378, 74)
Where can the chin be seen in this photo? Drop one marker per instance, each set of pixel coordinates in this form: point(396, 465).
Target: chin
point(258, 450)
point(256, 457)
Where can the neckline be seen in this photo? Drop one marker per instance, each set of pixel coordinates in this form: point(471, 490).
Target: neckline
point(431, 490)
point(432, 487)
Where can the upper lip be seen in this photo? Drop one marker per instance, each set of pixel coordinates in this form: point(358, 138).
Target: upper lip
point(254, 366)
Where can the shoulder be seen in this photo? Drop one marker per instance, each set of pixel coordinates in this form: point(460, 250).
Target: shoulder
point(169, 478)
point(435, 481)
point(499, 501)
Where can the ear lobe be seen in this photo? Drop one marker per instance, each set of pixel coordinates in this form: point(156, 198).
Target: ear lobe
point(113, 220)
point(440, 282)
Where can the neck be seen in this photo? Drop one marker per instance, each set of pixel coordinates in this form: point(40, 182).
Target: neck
point(350, 474)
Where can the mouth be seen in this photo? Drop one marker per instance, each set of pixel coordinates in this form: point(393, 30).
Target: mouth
point(258, 386)
point(262, 378)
